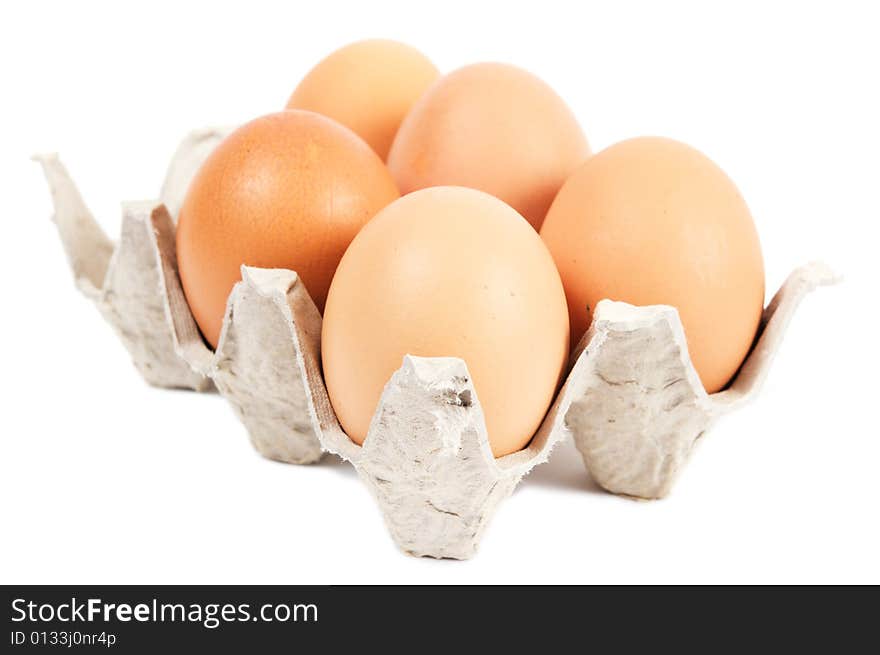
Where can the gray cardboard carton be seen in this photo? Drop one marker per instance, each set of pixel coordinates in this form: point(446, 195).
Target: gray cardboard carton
point(632, 401)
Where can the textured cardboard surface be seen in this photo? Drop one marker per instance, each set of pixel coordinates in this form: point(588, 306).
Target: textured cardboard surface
point(632, 400)
point(641, 407)
point(427, 460)
point(127, 280)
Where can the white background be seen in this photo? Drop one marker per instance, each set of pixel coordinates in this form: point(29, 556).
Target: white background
point(104, 479)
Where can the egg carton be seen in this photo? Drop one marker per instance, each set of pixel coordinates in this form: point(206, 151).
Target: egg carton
point(632, 400)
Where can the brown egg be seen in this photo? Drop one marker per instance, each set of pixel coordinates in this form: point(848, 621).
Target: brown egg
point(368, 86)
point(491, 127)
point(448, 272)
point(653, 221)
point(288, 190)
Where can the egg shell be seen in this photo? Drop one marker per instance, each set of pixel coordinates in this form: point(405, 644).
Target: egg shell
point(368, 86)
point(287, 190)
point(652, 221)
point(492, 127)
point(448, 272)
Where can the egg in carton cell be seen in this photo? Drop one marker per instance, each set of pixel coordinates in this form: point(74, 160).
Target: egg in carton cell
point(632, 400)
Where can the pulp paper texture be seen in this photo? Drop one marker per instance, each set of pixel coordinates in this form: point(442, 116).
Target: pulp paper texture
point(632, 401)
point(641, 406)
point(126, 280)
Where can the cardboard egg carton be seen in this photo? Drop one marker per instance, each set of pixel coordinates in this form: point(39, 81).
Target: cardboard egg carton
point(632, 401)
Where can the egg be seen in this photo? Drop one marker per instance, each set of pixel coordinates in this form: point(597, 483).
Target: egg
point(492, 127)
point(448, 272)
point(368, 86)
point(654, 221)
point(287, 190)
